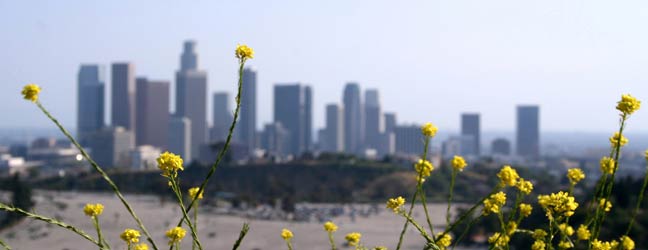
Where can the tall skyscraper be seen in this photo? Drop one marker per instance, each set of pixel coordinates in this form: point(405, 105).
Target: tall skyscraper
point(470, 127)
point(180, 136)
point(123, 95)
point(373, 119)
point(247, 121)
point(308, 118)
point(191, 96)
point(352, 119)
point(153, 107)
point(221, 117)
point(408, 140)
point(528, 131)
point(290, 104)
point(333, 140)
point(90, 101)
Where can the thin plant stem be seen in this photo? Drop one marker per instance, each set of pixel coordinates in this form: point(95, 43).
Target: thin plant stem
point(638, 206)
point(102, 241)
point(290, 247)
point(185, 216)
point(195, 222)
point(452, 184)
point(422, 192)
point(101, 172)
point(419, 228)
point(411, 208)
point(331, 241)
point(5, 245)
point(50, 221)
point(244, 231)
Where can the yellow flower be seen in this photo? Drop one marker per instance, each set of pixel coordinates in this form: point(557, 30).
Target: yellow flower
point(395, 203)
point(494, 203)
point(566, 229)
point(444, 240)
point(93, 210)
point(603, 245)
point(130, 236)
point(628, 104)
point(605, 205)
point(618, 139)
point(423, 168)
point(459, 163)
point(142, 246)
point(353, 238)
point(525, 186)
point(558, 204)
point(508, 176)
point(244, 52)
point(175, 235)
point(30, 92)
point(380, 248)
point(565, 245)
point(169, 163)
point(193, 191)
point(627, 243)
point(538, 245)
point(511, 227)
point(539, 234)
point(330, 227)
point(575, 175)
point(583, 233)
point(607, 165)
point(499, 240)
point(429, 129)
point(286, 234)
point(525, 209)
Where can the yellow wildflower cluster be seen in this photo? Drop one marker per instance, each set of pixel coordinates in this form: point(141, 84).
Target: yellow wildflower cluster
point(583, 233)
point(558, 204)
point(618, 139)
point(494, 203)
point(330, 227)
point(525, 209)
point(353, 239)
point(423, 168)
point(605, 205)
point(524, 186)
point(30, 92)
point(175, 235)
point(627, 243)
point(395, 203)
point(142, 246)
point(459, 163)
point(286, 234)
point(565, 244)
point(511, 227)
point(539, 234)
point(130, 236)
point(193, 191)
point(566, 229)
point(93, 210)
point(604, 245)
point(429, 130)
point(628, 104)
point(244, 52)
point(607, 165)
point(170, 163)
point(538, 245)
point(499, 240)
point(444, 240)
point(575, 175)
point(508, 176)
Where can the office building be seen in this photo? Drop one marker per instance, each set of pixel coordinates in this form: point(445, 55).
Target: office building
point(528, 131)
point(373, 119)
point(501, 146)
point(110, 147)
point(152, 124)
point(352, 119)
point(290, 109)
point(221, 116)
point(123, 95)
point(333, 137)
point(180, 137)
point(191, 96)
point(470, 127)
point(247, 121)
point(90, 101)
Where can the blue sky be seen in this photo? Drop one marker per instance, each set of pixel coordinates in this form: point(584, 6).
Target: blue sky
point(431, 60)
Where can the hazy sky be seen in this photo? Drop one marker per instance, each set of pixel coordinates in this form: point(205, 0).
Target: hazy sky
point(430, 59)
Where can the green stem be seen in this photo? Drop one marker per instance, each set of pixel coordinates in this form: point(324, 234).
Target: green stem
point(402, 233)
point(638, 206)
point(102, 241)
point(244, 231)
point(452, 184)
point(419, 228)
point(101, 172)
point(465, 231)
point(195, 222)
point(290, 247)
point(331, 241)
point(185, 216)
point(5, 245)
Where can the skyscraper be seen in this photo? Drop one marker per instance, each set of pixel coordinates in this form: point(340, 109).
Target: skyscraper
point(247, 121)
point(470, 127)
point(373, 119)
point(308, 118)
point(528, 131)
point(153, 107)
point(90, 101)
point(390, 122)
point(191, 96)
point(275, 139)
point(290, 109)
point(123, 95)
point(221, 117)
point(333, 140)
point(180, 136)
point(408, 140)
point(352, 119)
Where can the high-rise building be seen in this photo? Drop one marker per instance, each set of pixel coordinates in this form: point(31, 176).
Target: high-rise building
point(308, 119)
point(247, 121)
point(123, 95)
point(470, 127)
point(528, 131)
point(373, 119)
point(290, 109)
point(180, 136)
point(501, 146)
point(221, 117)
point(152, 123)
point(110, 146)
point(90, 101)
point(275, 139)
point(408, 140)
point(191, 96)
point(333, 140)
point(352, 119)
point(390, 122)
